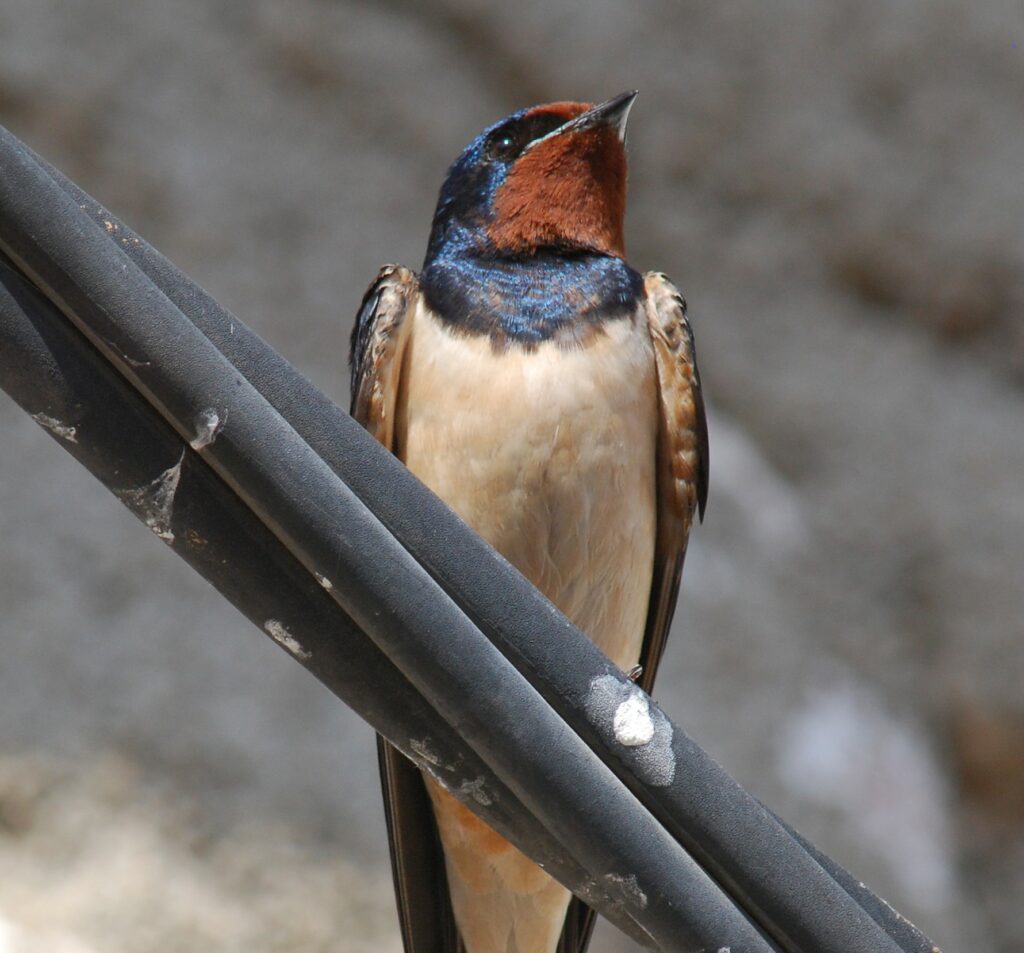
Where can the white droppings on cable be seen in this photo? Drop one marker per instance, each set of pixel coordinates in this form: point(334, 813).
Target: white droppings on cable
point(475, 789)
point(153, 502)
point(625, 890)
point(62, 430)
point(208, 424)
point(285, 639)
point(422, 749)
point(636, 728)
point(632, 722)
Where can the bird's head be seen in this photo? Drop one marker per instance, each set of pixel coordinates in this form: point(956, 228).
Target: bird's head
point(549, 177)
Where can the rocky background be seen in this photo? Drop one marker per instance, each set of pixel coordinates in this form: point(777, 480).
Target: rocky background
point(838, 188)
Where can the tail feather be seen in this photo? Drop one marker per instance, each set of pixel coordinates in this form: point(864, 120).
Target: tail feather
point(503, 902)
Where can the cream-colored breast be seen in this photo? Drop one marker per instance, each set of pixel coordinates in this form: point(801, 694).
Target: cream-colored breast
point(550, 455)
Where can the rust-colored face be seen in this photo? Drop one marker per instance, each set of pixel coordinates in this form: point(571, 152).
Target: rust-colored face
point(568, 189)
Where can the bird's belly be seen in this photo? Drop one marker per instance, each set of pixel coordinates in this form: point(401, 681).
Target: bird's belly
point(549, 454)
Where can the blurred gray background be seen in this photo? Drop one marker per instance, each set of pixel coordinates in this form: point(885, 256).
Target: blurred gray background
point(839, 190)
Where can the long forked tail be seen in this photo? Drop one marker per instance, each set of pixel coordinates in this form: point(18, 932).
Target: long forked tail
point(422, 886)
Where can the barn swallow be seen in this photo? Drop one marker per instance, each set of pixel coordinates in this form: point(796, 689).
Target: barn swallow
point(549, 393)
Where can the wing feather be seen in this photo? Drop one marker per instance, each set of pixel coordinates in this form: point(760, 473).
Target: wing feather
point(378, 343)
point(682, 465)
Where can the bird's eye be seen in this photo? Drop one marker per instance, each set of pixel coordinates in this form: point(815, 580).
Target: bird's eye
point(504, 147)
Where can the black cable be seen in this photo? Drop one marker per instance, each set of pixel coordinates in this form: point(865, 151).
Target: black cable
point(57, 377)
point(386, 592)
point(764, 867)
point(726, 829)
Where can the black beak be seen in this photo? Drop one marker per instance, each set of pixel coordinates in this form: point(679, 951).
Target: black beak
point(610, 115)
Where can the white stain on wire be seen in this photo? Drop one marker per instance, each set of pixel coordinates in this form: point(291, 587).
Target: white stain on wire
point(639, 731)
point(624, 891)
point(153, 502)
point(632, 722)
point(285, 639)
point(64, 431)
point(475, 789)
point(422, 749)
point(208, 424)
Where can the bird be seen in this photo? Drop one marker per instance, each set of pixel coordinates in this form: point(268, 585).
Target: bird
point(549, 393)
